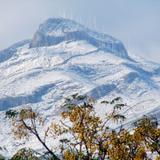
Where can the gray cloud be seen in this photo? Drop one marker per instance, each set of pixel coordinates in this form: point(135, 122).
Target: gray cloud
point(134, 22)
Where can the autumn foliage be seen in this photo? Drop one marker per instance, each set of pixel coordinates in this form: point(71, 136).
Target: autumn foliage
point(90, 137)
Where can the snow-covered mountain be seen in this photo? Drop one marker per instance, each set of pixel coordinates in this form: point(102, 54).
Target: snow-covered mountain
point(63, 58)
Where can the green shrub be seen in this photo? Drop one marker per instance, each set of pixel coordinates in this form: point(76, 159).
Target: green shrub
point(11, 113)
point(2, 157)
point(25, 154)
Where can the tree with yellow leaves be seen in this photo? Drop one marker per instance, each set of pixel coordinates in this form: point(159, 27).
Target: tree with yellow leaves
point(25, 124)
point(89, 136)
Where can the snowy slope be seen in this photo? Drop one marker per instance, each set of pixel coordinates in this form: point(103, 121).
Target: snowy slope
point(65, 57)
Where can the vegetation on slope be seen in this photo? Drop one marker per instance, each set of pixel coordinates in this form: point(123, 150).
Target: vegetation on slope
point(90, 137)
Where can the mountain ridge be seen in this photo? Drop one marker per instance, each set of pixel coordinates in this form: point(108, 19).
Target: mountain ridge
point(56, 30)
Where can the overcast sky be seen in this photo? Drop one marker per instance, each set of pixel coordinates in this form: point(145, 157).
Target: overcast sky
point(135, 22)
